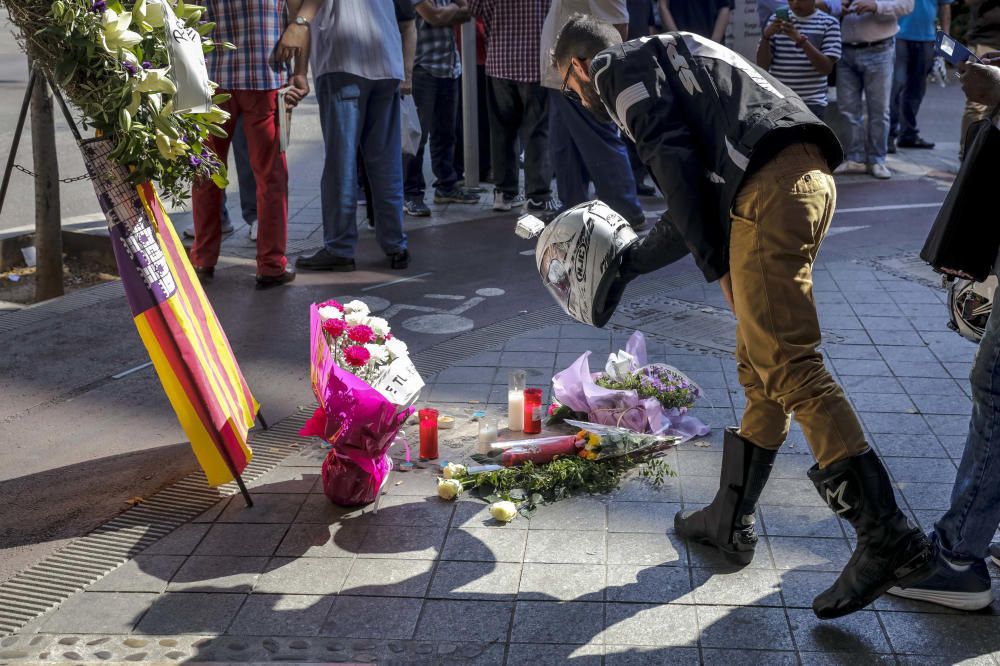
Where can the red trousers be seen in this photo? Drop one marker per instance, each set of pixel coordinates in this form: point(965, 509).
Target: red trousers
point(260, 123)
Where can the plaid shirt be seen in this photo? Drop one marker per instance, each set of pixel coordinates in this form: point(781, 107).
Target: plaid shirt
point(436, 52)
point(255, 27)
point(513, 37)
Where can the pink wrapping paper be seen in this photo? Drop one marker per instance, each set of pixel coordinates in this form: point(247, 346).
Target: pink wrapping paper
point(539, 452)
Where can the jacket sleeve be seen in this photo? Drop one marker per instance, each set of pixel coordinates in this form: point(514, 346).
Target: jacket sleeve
point(666, 146)
point(895, 8)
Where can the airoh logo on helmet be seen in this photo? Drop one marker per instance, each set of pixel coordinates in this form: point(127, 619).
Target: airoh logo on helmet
point(582, 248)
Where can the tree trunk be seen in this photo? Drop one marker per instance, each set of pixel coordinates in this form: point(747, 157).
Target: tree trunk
point(48, 221)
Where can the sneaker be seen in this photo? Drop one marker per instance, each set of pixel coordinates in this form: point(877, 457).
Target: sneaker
point(965, 586)
point(880, 171)
point(324, 260)
point(505, 202)
point(543, 209)
point(268, 281)
point(891, 146)
point(916, 142)
point(995, 553)
point(849, 167)
point(455, 195)
point(253, 230)
point(399, 260)
point(227, 228)
point(416, 208)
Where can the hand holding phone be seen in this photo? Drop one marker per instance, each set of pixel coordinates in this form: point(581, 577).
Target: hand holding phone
point(781, 14)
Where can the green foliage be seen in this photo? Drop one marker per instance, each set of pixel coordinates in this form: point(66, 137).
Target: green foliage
point(669, 388)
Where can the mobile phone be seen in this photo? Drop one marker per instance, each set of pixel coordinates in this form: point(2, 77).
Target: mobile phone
point(781, 13)
point(953, 51)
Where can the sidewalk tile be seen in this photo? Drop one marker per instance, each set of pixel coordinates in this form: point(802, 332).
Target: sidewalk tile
point(640, 490)
point(812, 554)
point(800, 587)
point(716, 657)
point(554, 655)
point(851, 659)
point(954, 445)
point(882, 402)
point(744, 628)
point(485, 545)
point(181, 541)
point(475, 580)
point(649, 585)
point(97, 613)
point(699, 489)
point(582, 513)
point(848, 366)
point(562, 582)
point(922, 446)
point(670, 625)
point(917, 370)
point(307, 575)
point(636, 655)
point(213, 513)
point(736, 587)
point(538, 376)
point(935, 386)
point(927, 496)
point(281, 615)
point(482, 359)
point(951, 636)
point(915, 354)
point(314, 540)
point(413, 511)
point(943, 404)
point(191, 613)
point(422, 483)
point(870, 384)
point(267, 508)
point(857, 352)
point(791, 492)
point(709, 557)
point(466, 375)
point(241, 540)
point(372, 617)
point(798, 521)
point(557, 622)
point(695, 462)
point(318, 509)
point(954, 424)
point(388, 578)
point(860, 632)
point(143, 573)
point(918, 470)
point(286, 479)
point(653, 517)
point(554, 547)
point(458, 393)
point(209, 574)
point(444, 620)
point(399, 542)
point(924, 660)
point(476, 514)
point(906, 424)
point(649, 549)
point(532, 344)
point(791, 464)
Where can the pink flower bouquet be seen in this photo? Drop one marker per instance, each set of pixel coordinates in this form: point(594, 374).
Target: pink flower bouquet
point(364, 382)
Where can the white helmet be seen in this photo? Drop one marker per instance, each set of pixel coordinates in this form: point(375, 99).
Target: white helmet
point(578, 255)
point(970, 304)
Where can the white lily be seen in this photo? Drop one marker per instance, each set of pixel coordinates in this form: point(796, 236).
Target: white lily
point(115, 31)
point(155, 81)
point(150, 13)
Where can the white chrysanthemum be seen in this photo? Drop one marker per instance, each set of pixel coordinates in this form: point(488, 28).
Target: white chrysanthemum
point(378, 353)
point(379, 325)
point(397, 348)
point(357, 306)
point(355, 318)
point(328, 312)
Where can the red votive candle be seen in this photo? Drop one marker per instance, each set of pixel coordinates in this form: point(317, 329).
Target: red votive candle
point(429, 434)
point(532, 411)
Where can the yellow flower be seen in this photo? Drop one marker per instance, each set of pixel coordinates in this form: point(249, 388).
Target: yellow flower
point(151, 14)
point(449, 489)
point(503, 511)
point(453, 471)
point(155, 81)
point(168, 147)
point(116, 34)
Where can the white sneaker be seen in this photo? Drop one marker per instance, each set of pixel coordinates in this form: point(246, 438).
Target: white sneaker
point(253, 230)
point(849, 167)
point(880, 171)
point(505, 202)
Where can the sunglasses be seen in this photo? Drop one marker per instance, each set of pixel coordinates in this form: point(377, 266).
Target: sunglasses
point(565, 90)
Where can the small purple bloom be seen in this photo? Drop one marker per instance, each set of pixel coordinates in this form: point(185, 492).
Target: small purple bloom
point(146, 64)
point(130, 68)
point(99, 6)
point(195, 161)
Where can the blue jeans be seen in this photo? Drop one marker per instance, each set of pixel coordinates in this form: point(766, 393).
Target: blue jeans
point(866, 71)
point(914, 61)
point(585, 150)
point(244, 174)
point(965, 530)
point(437, 107)
point(356, 112)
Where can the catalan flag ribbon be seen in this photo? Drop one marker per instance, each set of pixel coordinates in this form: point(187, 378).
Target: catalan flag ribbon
point(175, 320)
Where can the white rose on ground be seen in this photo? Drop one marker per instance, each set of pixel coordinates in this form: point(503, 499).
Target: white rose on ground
point(453, 471)
point(397, 348)
point(378, 353)
point(328, 312)
point(357, 306)
point(355, 318)
point(503, 511)
point(379, 326)
point(449, 489)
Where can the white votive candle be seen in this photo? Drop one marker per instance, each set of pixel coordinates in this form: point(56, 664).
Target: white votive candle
point(515, 411)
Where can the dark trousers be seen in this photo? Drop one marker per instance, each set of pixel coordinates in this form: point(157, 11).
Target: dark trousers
point(244, 175)
point(437, 107)
point(520, 109)
point(485, 162)
point(818, 110)
point(914, 61)
point(639, 170)
point(585, 150)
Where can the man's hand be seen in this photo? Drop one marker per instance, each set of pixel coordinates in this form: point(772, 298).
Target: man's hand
point(773, 28)
point(463, 15)
point(863, 7)
point(293, 44)
point(406, 88)
point(790, 31)
point(726, 284)
point(981, 83)
point(298, 90)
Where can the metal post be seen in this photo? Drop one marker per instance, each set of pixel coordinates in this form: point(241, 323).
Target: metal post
point(17, 137)
point(470, 104)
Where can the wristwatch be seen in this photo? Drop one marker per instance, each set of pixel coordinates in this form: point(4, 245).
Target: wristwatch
point(301, 21)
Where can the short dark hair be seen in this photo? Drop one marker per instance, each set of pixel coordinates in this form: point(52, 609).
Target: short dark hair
point(583, 37)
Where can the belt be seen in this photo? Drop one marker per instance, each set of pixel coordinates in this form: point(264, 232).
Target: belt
point(868, 45)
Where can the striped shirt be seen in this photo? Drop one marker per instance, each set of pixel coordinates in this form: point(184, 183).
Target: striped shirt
point(359, 37)
point(789, 63)
point(513, 36)
point(436, 51)
point(255, 28)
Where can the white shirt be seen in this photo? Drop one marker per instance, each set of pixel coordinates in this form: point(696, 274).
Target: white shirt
point(883, 24)
point(359, 37)
point(614, 12)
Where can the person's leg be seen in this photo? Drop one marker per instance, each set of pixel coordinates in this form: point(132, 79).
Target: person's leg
point(443, 134)
point(381, 147)
point(878, 69)
point(535, 124)
point(921, 60)
point(260, 124)
point(505, 119)
point(244, 174)
point(849, 86)
point(339, 98)
point(424, 96)
point(639, 170)
point(206, 197)
point(485, 162)
point(367, 187)
point(572, 178)
point(900, 77)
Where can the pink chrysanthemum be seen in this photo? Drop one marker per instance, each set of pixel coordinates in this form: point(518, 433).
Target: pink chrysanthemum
point(361, 334)
point(334, 327)
point(356, 356)
point(332, 304)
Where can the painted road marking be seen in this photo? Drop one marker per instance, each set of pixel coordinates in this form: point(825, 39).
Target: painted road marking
point(126, 373)
point(872, 209)
point(399, 281)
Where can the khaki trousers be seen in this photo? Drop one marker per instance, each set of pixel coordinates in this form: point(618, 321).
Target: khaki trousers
point(779, 218)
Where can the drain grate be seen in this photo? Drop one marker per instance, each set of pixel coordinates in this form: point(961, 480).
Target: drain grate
point(77, 300)
point(87, 559)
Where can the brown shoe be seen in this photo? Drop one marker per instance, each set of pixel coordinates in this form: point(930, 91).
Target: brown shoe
point(268, 281)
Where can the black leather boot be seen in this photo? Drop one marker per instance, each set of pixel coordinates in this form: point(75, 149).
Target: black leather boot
point(728, 522)
point(890, 551)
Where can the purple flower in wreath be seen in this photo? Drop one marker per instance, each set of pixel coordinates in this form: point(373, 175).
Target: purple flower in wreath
point(99, 6)
point(146, 64)
point(130, 68)
point(195, 161)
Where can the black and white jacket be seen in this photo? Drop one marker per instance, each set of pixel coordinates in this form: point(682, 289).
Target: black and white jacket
point(702, 117)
